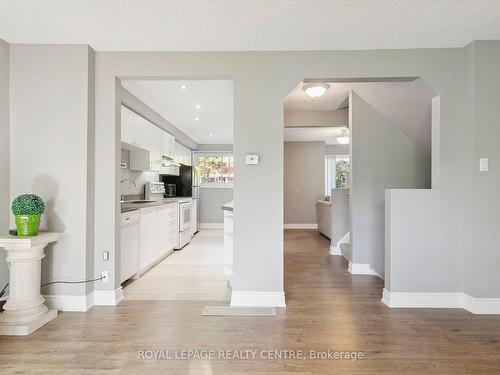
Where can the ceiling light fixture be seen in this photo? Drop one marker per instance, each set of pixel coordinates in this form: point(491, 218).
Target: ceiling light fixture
point(196, 119)
point(183, 87)
point(344, 140)
point(315, 90)
point(197, 106)
point(210, 135)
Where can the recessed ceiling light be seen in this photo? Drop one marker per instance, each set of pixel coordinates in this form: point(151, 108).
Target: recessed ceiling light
point(196, 119)
point(315, 90)
point(183, 87)
point(197, 106)
point(210, 135)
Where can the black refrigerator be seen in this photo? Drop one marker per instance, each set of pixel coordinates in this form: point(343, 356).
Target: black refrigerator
point(183, 182)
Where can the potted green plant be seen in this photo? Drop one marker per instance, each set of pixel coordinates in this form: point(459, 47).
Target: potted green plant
point(27, 209)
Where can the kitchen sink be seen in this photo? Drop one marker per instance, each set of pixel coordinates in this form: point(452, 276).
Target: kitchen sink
point(137, 202)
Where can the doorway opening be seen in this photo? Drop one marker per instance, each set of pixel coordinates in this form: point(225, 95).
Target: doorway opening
point(346, 143)
point(176, 172)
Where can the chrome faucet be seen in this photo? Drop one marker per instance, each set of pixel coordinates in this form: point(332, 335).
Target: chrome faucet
point(128, 179)
point(122, 198)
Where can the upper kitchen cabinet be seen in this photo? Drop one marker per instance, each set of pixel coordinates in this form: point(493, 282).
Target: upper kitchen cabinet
point(141, 133)
point(182, 154)
point(168, 144)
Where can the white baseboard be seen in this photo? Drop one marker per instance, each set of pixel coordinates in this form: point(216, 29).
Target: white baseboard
point(422, 300)
point(481, 305)
point(258, 299)
point(361, 269)
point(211, 225)
point(335, 250)
point(454, 300)
point(63, 302)
point(84, 303)
point(108, 297)
point(301, 226)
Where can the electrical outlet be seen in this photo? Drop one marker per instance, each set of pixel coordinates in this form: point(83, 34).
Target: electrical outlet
point(105, 276)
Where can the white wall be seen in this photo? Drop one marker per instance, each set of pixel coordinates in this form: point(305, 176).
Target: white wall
point(382, 157)
point(139, 177)
point(316, 118)
point(481, 202)
point(55, 128)
point(258, 191)
point(51, 147)
point(4, 155)
point(336, 149)
point(211, 200)
point(304, 175)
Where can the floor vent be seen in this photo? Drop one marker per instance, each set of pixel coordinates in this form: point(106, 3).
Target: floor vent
point(239, 311)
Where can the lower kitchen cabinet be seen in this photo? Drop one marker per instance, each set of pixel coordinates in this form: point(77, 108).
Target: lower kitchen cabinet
point(129, 256)
point(148, 236)
point(158, 234)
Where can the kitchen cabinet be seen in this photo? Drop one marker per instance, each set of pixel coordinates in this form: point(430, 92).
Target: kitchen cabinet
point(169, 145)
point(162, 240)
point(172, 227)
point(129, 256)
point(182, 154)
point(142, 134)
point(158, 233)
point(140, 160)
point(148, 235)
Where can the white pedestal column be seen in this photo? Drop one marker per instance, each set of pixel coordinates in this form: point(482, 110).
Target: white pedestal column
point(25, 311)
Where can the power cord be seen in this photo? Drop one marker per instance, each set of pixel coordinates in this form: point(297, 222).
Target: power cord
point(3, 290)
point(71, 282)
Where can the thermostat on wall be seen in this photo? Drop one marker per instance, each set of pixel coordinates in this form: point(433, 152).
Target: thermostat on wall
point(252, 159)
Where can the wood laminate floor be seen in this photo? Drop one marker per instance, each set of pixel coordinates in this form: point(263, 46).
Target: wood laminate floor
point(328, 309)
point(194, 273)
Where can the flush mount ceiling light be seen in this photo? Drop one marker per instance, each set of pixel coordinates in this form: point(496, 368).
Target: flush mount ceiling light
point(197, 106)
point(315, 90)
point(196, 119)
point(183, 87)
point(210, 135)
point(344, 140)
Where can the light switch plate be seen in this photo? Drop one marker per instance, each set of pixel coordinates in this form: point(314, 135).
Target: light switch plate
point(483, 165)
point(251, 159)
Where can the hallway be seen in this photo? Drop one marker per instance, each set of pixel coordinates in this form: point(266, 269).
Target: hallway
point(327, 309)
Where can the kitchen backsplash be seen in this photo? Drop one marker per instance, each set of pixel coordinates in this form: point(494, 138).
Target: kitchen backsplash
point(139, 177)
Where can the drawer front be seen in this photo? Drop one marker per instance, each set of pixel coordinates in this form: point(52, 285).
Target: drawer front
point(129, 217)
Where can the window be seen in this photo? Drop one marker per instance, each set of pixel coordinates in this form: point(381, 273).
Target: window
point(337, 169)
point(214, 169)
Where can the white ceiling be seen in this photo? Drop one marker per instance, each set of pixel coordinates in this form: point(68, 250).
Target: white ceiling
point(215, 97)
point(250, 25)
point(324, 134)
